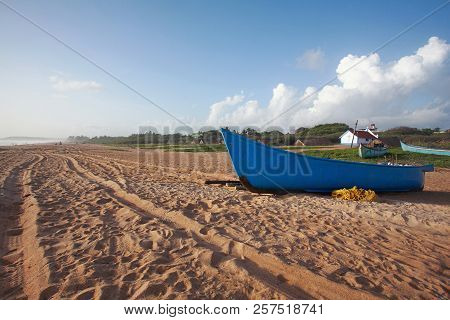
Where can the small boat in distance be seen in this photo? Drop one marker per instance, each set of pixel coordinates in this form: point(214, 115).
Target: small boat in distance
point(417, 149)
point(264, 169)
point(372, 150)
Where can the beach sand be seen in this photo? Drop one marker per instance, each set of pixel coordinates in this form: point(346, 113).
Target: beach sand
point(91, 222)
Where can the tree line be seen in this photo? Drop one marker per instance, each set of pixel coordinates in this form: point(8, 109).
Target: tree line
point(323, 134)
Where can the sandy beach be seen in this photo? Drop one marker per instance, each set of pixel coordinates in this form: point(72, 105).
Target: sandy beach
point(91, 222)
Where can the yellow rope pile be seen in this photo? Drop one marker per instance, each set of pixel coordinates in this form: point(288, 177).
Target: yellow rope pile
point(354, 194)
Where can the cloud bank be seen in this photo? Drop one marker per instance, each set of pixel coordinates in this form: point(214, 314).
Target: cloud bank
point(385, 93)
point(62, 84)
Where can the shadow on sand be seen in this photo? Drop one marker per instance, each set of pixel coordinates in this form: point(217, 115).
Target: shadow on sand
point(424, 197)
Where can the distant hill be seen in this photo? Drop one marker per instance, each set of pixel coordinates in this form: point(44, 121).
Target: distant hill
point(433, 138)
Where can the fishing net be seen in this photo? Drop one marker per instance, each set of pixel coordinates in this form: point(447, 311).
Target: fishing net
point(354, 194)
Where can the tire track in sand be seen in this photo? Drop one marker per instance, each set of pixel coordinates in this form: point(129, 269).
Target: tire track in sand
point(30, 270)
point(11, 255)
point(293, 281)
point(36, 276)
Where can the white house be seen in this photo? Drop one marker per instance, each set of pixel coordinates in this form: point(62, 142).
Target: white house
point(361, 136)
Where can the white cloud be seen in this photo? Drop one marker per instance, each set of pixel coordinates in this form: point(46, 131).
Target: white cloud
point(371, 91)
point(218, 108)
point(312, 59)
point(61, 84)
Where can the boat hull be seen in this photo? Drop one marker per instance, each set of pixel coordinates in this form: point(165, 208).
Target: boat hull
point(366, 152)
point(265, 169)
point(410, 148)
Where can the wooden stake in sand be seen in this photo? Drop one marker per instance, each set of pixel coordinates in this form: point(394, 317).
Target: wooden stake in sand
point(223, 182)
point(231, 184)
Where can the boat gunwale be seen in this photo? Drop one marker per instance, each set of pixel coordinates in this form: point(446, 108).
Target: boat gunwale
point(424, 148)
point(347, 162)
point(382, 149)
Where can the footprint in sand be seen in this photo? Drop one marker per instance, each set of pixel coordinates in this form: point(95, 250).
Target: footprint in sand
point(146, 244)
point(86, 295)
point(48, 292)
point(103, 201)
point(205, 204)
point(245, 197)
point(14, 232)
point(130, 277)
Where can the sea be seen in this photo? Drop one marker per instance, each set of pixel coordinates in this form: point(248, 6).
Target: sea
point(15, 142)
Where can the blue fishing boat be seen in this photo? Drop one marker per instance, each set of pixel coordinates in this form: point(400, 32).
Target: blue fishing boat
point(262, 169)
point(410, 148)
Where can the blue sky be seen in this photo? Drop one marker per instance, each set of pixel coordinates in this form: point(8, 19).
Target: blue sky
point(189, 55)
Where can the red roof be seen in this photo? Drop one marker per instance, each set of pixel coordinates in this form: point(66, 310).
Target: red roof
point(363, 134)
